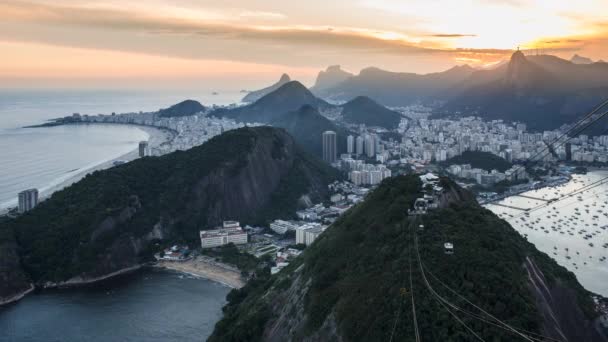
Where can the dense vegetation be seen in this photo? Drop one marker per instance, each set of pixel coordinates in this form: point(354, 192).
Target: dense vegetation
point(109, 211)
point(363, 110)
point(480, 160)
point(184, 108)
point(357, 273)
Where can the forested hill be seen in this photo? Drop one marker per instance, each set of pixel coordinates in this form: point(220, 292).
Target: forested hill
point(353, 283)
point(363, 110)
point(480, 160)
point(111, 219)
point(184, 108)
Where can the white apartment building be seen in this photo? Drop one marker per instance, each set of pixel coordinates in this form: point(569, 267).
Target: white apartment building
point(28, 199)
point(307, 233)
point(230, 232)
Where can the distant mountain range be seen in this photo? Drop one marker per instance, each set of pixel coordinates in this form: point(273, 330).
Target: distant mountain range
point(542, 91)
point(258, 94)
point(389, 88)
point(112, 219)
point(330, 78)
point(576, 59)
point(286, 98)
point(295, 108)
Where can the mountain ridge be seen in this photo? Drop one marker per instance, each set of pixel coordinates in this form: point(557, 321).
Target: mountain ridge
point(363, 110)
point(184, 108)
point(255, 95)
point(542, 91)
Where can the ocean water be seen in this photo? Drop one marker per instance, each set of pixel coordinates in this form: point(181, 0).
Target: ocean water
point(559, 229)
point(43, 157)
point(150, 305)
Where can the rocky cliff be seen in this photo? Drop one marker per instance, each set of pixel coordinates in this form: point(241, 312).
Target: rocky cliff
point(258, 94)
point(113, 219)
point(367, 276)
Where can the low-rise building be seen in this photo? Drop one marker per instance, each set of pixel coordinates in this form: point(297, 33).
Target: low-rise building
point(281, 227)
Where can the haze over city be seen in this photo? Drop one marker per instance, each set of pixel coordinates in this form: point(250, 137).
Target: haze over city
point(111, 43)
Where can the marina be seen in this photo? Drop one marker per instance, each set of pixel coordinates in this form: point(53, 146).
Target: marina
point(572, 229)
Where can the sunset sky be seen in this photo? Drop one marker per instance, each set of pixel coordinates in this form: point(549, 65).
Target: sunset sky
point(157, 43)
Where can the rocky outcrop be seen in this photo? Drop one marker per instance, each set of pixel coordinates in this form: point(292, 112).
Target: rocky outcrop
point(258, 94)
point(562, 317)
point(332, 77)
point(453, 194)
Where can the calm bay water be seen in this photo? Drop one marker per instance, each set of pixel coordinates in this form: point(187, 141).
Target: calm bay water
point(572, 231)
point(150, 305)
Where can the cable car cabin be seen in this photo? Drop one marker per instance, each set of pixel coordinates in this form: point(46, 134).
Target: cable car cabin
point(448, 248)
point(421, 205)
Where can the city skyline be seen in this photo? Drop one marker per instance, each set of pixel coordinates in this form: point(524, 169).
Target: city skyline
point(108, 43)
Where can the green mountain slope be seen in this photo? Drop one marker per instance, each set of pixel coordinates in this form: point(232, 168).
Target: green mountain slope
point(306, 126)
point(111, 219)
point(481, 160)
point(184, 108)
point(353, 283)
point(363, 110)
point(288, 97)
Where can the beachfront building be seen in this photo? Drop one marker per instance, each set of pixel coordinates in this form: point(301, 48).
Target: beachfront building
point(230, 232)
point(28, 199)
point(144, 149)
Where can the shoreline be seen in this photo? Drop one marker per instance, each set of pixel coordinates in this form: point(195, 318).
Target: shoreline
point(18, 296)
point(194, 267)
point(78, 281)
point(156, 137)
point(198, 267)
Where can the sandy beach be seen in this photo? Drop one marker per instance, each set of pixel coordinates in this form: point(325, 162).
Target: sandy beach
point(157, 136)
point(206, 268)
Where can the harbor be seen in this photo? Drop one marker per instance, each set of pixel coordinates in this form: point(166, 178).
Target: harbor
point(566, 223)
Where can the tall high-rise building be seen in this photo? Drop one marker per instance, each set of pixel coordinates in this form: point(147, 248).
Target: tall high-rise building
point(144, 149)
point(370, 146)
point(28, 199)
point(330, 153)
point(359, 145)
point(350, 144)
